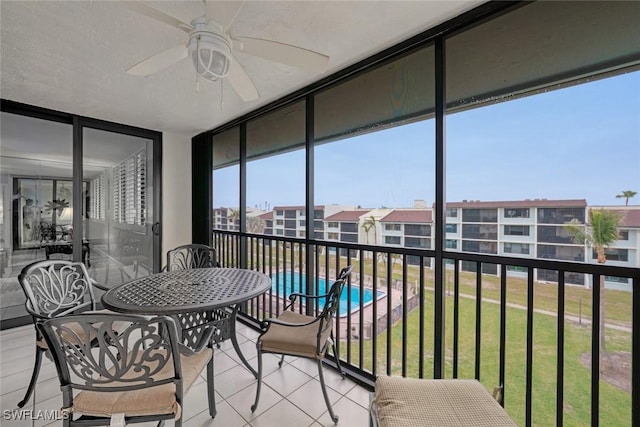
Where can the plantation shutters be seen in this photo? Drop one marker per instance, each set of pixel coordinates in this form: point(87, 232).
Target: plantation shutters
point(129, 197)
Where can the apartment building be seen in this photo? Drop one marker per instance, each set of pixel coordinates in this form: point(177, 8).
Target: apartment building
point(409, 228)
point(530, 228)
point(229, 219)
point(291, 221)
point(345, 226)
point(225, 219)
point(536, 229)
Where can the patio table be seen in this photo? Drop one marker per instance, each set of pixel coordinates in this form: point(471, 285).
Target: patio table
point(196, 296)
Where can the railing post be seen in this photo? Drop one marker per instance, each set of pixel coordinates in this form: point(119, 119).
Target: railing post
point(440, 220)
point(635, 354)
point(243, 196)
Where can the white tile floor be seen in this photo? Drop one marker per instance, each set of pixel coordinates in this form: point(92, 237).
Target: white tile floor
point(291, 395)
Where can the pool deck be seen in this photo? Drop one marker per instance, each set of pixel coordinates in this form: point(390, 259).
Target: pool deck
point(353, 320)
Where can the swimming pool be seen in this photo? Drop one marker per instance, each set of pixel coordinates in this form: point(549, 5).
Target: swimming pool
point(286, 287)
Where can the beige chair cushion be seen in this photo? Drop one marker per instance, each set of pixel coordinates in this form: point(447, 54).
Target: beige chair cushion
point(409, 402)
point(297, 341)
point(148, 401)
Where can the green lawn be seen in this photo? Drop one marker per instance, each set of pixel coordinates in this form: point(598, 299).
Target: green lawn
point(615, 404)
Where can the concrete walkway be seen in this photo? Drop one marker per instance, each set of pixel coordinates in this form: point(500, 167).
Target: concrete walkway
point(570, 317)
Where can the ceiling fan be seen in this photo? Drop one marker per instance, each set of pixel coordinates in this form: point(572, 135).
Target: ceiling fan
point(211, 47)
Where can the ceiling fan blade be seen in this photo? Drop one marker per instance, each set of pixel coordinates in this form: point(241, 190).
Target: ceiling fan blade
point(282, 53)
point(150, 11)
point(159, 61)
point(224, 12)
point(241, 82)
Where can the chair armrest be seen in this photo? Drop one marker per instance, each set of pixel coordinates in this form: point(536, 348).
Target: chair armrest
point(37, 316)
point(293, 296)
point(98, 285)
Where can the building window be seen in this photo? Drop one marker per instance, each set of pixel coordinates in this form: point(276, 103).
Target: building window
point(302, 223)
point(516, 230)
point(516, 248)
point(417, 230)
point(349, 227)
point(624, 235)
point(614, 254)
point(279, 212)
point(553, 234)
point(332, 224)
point(480, 231)
point(393, 227)
point(516, 212)
point(279, 222)
point(451, 244)
point(333, 236)
point(392, 240)
point(289, 214)
point(480, 247)
point(416, 242)
point(349, 238)
point(560, 215)
point(480, 215)
point(451, 228)
point(452, 213)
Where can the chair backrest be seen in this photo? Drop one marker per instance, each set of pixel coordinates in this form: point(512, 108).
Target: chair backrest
point(57, 287)
point(113, 352)
point(191, 256)
point(331, 305)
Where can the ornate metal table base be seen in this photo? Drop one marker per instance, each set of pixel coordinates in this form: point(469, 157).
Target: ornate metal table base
point(194, 326)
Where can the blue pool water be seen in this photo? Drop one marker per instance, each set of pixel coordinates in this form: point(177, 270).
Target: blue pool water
point(284, 286)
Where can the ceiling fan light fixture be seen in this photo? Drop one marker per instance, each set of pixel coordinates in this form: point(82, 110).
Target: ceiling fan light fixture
point(210, 52)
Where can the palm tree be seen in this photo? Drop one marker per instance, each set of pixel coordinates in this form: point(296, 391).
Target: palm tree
point(367, 225)
point(235, 218)
point(626, 195)
point(600, 233)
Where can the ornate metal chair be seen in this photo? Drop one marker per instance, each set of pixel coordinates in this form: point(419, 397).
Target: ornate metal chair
point(299, 335)
point(53, 288)
point(191, 256)
point(136, 375)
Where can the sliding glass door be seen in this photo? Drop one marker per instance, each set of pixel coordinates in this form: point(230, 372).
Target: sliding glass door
point(118, 226)
point(79, 189)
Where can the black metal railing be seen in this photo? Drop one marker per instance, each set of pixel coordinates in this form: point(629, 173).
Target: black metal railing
point(535, 342)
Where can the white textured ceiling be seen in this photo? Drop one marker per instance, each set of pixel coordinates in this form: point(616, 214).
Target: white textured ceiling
point(71, 56)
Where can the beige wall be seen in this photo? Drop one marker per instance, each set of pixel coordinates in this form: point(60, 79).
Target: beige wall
point(176, 191)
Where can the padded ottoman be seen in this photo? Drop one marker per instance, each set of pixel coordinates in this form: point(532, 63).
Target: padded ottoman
point(409, 402)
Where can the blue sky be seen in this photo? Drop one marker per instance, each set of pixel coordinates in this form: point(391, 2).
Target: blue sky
point(574, 143)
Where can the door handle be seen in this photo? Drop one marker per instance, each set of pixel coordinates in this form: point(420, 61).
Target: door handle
point(155, 229)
